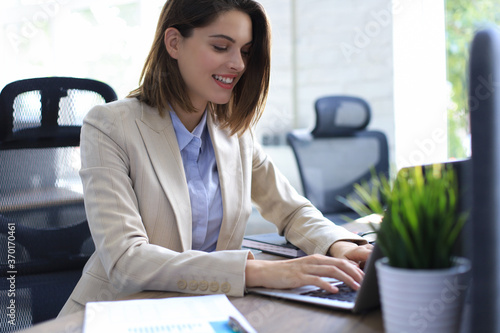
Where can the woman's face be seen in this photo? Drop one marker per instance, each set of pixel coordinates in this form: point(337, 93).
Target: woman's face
point(213, 59)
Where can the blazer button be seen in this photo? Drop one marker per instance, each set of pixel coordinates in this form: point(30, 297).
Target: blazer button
point(225, 287)
point(203, 285)
point(193, 285)
point(214, 286)
point(181, 284)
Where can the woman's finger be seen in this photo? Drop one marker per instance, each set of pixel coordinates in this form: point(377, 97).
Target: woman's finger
point(315, 267)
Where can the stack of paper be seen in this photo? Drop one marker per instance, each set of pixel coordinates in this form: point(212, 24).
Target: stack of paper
point(193, 314)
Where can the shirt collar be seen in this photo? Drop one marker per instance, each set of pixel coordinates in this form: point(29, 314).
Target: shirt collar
point(184, 137)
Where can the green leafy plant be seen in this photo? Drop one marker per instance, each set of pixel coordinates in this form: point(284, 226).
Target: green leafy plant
point(463, 19)
point(421, 222)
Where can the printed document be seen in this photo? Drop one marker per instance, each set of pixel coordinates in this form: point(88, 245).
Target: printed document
point(191, 314)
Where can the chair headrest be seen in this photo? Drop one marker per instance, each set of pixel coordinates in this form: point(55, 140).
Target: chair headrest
point(340, 115)
point(49, 110)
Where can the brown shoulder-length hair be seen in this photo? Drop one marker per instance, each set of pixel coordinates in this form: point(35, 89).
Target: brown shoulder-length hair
point(161, 80)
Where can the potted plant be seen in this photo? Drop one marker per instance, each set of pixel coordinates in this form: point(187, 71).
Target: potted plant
point(422, 284)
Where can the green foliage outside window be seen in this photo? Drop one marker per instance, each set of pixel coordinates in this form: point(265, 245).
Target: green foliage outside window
point(463, 18)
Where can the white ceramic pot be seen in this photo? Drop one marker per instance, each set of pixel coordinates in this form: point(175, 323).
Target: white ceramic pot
point(423, 300)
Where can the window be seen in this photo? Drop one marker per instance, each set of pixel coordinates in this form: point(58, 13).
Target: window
point(103, 40)
point(463, 18)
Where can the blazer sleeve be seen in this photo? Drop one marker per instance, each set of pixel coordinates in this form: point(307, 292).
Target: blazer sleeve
point(296, 218)
point(129, 261)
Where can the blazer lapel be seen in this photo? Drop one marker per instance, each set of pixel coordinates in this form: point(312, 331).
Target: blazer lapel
point(163, 150)
point(227, 155)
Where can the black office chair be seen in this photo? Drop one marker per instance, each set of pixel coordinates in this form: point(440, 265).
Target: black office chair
point(338, 153)
point(43, 224)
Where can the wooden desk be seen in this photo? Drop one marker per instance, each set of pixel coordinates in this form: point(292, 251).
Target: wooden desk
point(265, 314)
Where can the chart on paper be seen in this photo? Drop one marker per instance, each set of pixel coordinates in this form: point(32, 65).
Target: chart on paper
point(193, 314)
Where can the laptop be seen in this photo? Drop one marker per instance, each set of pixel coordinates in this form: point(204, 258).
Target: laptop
point(365, 298)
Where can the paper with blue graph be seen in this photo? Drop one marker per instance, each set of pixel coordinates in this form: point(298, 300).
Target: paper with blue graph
point(192, 314)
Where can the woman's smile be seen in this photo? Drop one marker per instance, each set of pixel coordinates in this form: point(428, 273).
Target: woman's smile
point(225, 81)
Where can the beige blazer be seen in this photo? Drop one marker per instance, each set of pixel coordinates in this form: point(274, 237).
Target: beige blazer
point(138, 208)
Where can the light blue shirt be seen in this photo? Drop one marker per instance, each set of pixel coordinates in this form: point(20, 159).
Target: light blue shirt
point(200, 167)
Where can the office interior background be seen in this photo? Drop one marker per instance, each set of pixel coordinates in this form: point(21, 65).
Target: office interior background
point(398, 55)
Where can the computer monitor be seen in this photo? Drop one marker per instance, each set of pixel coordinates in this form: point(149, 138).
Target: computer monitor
point(484, 106)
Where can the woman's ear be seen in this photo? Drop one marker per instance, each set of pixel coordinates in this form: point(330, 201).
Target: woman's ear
point(172, 40)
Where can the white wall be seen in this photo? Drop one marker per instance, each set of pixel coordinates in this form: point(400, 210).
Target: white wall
point(329, 47)
point(389, 52)
point(278, 117)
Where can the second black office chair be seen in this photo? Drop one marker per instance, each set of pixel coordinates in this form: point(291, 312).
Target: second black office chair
point(338, 153)
point(44, 236)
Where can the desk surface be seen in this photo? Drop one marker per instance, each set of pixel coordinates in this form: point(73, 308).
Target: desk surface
point(264, 313)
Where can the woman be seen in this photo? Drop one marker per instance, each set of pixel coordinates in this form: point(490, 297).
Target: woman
point(171, 172)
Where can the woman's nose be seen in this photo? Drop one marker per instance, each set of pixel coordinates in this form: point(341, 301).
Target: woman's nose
point(237, 62)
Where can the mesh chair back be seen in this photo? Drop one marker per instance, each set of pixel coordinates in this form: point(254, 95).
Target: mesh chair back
point(338, 153)
point(41, 201)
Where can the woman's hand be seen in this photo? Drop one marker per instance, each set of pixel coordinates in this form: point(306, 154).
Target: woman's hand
point(298, 272)
point(351, 251)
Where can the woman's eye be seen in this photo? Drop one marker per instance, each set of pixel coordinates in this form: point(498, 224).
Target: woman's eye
point(245, 53)
point(220, 48)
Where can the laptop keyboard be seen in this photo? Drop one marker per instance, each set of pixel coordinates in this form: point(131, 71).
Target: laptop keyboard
point(345, 293)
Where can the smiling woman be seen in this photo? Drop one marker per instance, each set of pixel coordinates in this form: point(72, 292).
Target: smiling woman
point(170, 173)
point(208, 56)
point(242, 33)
